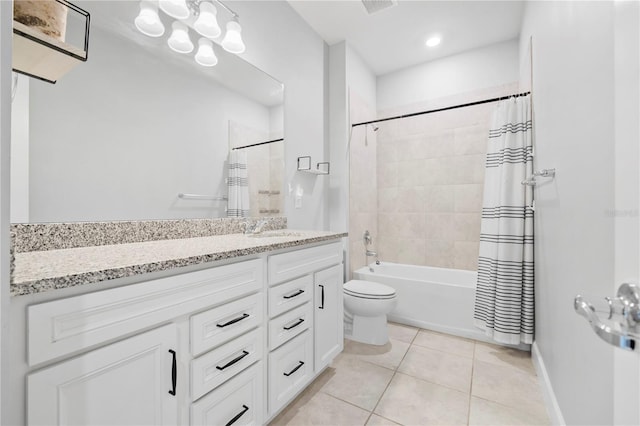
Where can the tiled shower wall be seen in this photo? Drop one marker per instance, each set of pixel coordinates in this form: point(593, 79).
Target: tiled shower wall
point(430, 172)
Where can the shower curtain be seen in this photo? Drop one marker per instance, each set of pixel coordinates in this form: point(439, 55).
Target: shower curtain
point(237, 185)
point(504, 305)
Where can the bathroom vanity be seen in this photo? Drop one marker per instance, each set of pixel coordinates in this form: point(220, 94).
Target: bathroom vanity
point(227, 335)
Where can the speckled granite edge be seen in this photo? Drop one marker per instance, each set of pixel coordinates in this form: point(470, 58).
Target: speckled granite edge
point(43, 285)
point(28, 237)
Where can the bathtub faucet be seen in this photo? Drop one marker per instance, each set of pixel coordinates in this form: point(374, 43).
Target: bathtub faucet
point(371, 253)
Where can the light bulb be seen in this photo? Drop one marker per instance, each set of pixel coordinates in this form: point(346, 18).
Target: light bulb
point(175, 8)
point(433, 41)
point(148, 22)
point(205, 56)
point(179, 40)
point(206, 24)
point(232, 41)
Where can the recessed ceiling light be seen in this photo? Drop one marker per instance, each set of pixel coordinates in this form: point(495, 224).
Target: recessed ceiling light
point(433, 41)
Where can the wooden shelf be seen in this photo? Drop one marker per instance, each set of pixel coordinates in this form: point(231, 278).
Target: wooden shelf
point(39, 55)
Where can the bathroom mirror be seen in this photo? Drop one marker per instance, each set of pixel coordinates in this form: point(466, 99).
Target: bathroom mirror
point(122, 135)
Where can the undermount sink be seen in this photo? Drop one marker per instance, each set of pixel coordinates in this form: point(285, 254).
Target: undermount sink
point(276, 233)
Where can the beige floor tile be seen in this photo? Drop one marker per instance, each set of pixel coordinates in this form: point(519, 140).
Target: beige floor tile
point(357, 382)
point(388, 356)
point(321, 409)
point(483, 412)
point(376, 420)
point(438, 367)
point(401, 332)
point(500, 355)
point(507, 386)
point(445, 343)
point(412, 401)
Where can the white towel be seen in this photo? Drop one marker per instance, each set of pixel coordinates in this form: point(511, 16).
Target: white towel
point(238, 186)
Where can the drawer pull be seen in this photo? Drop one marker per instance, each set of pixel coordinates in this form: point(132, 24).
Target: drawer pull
point(291, 296)
point(233, 321)
point(233, 361)
point(300, 364)
point(322, 297)
point(240, 414)
point(174, 373)
point(300, 321)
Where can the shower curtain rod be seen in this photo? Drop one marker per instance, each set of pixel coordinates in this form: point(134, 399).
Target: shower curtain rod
point(413, 114)
point(257, 144)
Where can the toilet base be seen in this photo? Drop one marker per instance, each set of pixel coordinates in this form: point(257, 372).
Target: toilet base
point(369, 330)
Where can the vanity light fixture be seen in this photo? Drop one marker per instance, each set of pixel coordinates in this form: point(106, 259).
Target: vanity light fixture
point(205, 55)
point(175, 8)
point(232, 41)
point(148, 22)
point(202, 16)
point(179, 40)
point(207, 24)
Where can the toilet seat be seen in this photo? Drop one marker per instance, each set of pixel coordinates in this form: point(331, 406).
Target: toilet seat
point(368, 290)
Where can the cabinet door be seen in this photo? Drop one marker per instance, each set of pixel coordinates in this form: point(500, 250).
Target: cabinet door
point(329, 312)
point(125, 383)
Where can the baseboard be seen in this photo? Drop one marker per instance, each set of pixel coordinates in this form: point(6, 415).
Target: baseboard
point(550, 401)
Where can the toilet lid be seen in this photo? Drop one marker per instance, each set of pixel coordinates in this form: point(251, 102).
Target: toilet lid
point(369, 289)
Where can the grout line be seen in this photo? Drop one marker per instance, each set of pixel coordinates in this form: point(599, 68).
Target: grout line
point(473, 361)
point(395, 371)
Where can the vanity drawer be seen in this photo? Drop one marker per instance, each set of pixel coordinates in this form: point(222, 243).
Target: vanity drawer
point(289, 325)
point(289, 295)
point(64, 326)
point(218, 325)
point(294, 264)
point(290, 369)
point(237, 402)
point(216, 367)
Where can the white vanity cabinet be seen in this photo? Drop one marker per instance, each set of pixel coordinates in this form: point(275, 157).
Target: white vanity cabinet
point(221, 345)
point(126, 383)
point(305, 329)
point(147, 351)
point(329, 313)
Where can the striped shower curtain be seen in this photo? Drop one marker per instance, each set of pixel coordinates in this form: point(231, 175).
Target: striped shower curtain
point(237, 185)
point(504, 305)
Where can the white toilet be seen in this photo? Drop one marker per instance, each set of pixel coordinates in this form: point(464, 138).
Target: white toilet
point(366, 305)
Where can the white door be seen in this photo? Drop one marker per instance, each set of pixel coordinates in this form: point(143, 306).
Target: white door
point(125, 383)
point(627, 229)
point(329, 313)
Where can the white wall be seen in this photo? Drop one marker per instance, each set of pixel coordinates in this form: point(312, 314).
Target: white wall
point(627, 137)
point(573, 102)
point(281, 43)
point(20, 150)
point(122, 134)
point(6, 390)
point(339, 136)
point(470, 71)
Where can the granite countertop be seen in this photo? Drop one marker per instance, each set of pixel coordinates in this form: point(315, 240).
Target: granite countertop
point(40, 271)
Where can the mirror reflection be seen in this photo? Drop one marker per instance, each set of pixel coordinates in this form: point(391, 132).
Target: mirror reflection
point(122, 135)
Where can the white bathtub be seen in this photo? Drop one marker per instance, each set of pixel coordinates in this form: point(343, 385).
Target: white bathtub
point(437, 299)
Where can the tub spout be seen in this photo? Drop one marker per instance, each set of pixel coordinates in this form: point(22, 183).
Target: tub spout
point(371, 253)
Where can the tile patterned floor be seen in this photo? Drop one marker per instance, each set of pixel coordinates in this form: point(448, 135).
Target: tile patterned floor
point(422, 378)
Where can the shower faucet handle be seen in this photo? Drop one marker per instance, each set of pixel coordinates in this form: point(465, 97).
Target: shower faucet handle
point(366, 238)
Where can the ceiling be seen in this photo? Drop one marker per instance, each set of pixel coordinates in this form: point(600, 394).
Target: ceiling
point(394, 38)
